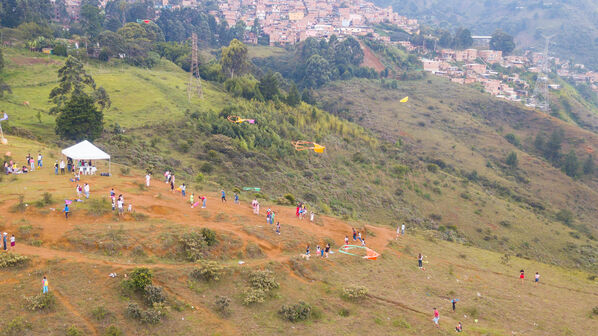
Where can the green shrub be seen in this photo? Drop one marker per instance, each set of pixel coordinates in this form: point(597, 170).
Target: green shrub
point(222, 305)
point(74, 331)
point(209, 271)
point(46, 200)
point(134, 311)
point(298, 312)
point(193, 245)
point(16, 327)
point(354, 293)
point(140, 278)
point(113, 331)
point(20, 206)
point(100, 313)
point(12, 260)
point(565, 216)
point(153, 294)
point(253, 295)
point(97, 207)
point(263, 280)
point(433, 168)
point(595, 310)
point(42, 301)
point(512, 139)
point(125, 171)
point(344, 312)
point(209, 236)
point(290, 198)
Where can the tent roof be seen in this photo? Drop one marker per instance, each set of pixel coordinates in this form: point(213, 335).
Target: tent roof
point(85, 150)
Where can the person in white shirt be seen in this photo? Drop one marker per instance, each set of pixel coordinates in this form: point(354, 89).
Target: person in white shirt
point(62, 167)
point(403, 229)
point(86, 190)
point(147, 179)
point(120, 204)
point(39, 160)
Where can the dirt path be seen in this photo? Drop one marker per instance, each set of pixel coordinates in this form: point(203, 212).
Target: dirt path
point(90, 327)
point(370, 59)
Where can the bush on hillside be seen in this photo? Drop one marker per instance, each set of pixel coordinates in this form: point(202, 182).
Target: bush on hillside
point(12, 260)
point(209, 236)
point(354, 293)
point(298, 312)
point(20, 206)
point(222, 305)
point(100, 313)
point(74, 331)
point(139, 278)
point(263, 280)
point(209, 271)
point(16, 327)
point(113, 331)
point(253, 295)
point(193, 245)
point(565, 216)
point(46, 200)
point(153, 294)
point(595, 310)
point(42, 301)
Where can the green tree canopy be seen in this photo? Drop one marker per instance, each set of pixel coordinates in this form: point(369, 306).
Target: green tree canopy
point(571, 164)
point(293, 97)
point(502, 41)
point(269, 86)
point(512, 160)
point(234, 59)
point(462, 39)
point(79, 119)
point(317, 71)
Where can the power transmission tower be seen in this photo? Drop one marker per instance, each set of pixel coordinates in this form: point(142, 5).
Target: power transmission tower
point(541, 98)
point(194, 78)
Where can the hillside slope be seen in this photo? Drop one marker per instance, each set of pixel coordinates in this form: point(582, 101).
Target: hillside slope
point(473, 190)
point(78, 254)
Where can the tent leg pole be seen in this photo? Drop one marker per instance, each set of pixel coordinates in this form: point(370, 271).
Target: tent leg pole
point(109, 172)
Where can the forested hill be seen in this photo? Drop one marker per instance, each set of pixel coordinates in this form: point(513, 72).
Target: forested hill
point(574, 22)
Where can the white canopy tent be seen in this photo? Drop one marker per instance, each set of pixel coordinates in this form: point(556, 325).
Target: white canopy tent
point(85, 150)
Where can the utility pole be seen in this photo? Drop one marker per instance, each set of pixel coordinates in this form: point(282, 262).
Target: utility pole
point(541, 98)
point(194, 78)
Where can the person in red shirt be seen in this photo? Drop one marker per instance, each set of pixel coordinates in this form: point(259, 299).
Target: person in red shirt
point(436, 317)
point(521, 276)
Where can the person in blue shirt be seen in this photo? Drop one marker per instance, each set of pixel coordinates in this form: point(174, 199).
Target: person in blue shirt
point(236, 198)
point(66, 211)
point(223, 196)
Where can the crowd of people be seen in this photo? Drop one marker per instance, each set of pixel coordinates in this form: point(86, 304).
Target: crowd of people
point(11, 166)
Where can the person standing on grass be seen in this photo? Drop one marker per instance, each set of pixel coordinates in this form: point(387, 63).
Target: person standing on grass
point(354, 234)
point(278, 227)
point(327, 249)
point(121, 208)
point(62, 167)
point(204, 199)
point(183, 189)
point(420, 262)
point(12, 242)
point(436, 317)
point(166, 176)
point(346, 240)
point(4, 241)
point(86, 190)
point(403, 229)
point(454, 303)
point(39, 160)
point(398, 231)
point(32, 163)
point(113, 203)
point(318, 250)
point(45, 285)
point(172, 184)
point(66, 211)
point(522, 276)
point(271, 217)
point(359, 237)
point(236, 198)
point(311, 216)
point(363, 242)
point(78, 190)
point(148, 176)
point(537, 278)
point(307, 250)
point(223, 197)
point(191, 199)
point(56, 168)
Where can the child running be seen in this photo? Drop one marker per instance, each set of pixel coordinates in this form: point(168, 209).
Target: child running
point(436, 317)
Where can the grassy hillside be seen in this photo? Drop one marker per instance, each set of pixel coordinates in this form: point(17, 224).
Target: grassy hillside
point(77, 255)
point(463, 183)
point(574, 23)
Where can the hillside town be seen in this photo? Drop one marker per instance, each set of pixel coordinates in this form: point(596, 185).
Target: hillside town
point(290, 22)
